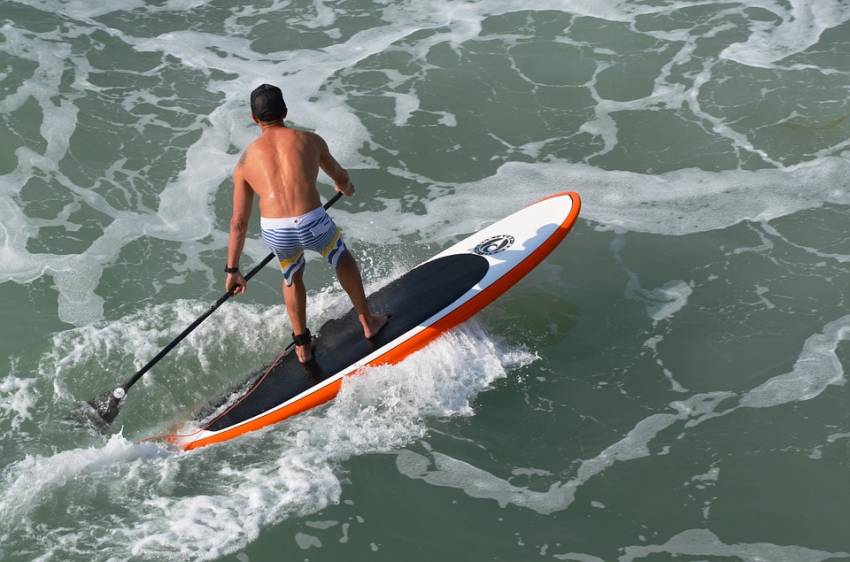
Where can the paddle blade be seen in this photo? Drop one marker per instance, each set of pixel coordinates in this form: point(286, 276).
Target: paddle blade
point(103, 409)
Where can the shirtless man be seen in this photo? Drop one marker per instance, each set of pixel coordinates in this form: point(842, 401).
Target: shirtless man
point(281, 167)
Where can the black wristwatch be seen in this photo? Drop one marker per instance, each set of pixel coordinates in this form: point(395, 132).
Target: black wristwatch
point(234, 269)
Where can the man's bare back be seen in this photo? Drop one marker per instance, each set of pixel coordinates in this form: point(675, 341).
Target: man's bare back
point(281, 168)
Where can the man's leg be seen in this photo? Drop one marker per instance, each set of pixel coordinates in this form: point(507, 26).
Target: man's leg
point(295, 299)
point(349, 277)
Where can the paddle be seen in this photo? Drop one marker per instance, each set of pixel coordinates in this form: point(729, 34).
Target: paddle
point(108, 405)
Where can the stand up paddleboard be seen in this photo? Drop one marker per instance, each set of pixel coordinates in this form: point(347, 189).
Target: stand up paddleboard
point(434, 297)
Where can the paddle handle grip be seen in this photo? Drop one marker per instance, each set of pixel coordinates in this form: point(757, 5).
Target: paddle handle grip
point(221, 300)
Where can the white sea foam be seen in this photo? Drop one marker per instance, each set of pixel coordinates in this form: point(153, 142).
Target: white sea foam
point(305, 541)
point(378, 411)
point(142, 334)
point(663, 204)
point(84, 9)
point(243, 329)
point(405, 105)
point(79, 359)
point(712, 475)
point(76, 276)
point(477, 483)
point(800, 28)
point(840, 258)
point(577, 557)
point(661, 303)
point(652, 344)
point(680, 202)
point(387, 406)
point(375, 412)
point(17, 397)
point(702, 542)
point(816, 368)
point(30, 481)
point(669, 299)
point(675, 203)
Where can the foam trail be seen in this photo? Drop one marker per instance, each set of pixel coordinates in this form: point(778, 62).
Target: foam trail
point(387, 408)
point(83, 9)
point(702, 542)
point(17, 398)
point(801, 28)
point(76, 276)
point(577, 557)
point(477, 483)
point(658, 204)
point(816, 368)
point(381, 410)
point(31, 480)
point(668, 299)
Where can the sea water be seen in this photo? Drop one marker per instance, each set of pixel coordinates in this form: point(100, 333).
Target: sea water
point(668, 384)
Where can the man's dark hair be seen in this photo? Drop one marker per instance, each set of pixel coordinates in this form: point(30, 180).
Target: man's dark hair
point(267, 103)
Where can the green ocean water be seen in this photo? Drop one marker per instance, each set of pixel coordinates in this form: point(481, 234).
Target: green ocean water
point(668, 385)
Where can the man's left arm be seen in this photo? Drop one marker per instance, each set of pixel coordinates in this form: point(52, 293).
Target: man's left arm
point(333, 169)
point(243, 199)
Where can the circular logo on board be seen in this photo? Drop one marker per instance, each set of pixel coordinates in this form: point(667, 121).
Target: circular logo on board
point(494, 245)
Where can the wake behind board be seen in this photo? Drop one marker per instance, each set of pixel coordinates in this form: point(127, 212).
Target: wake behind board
point(427, 301)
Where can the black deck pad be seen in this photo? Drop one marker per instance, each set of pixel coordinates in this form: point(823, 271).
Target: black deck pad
point(410, 300)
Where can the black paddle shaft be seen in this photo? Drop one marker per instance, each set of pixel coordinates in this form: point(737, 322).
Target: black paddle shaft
point(108, 405)
point(191, 327)
point(221, 300)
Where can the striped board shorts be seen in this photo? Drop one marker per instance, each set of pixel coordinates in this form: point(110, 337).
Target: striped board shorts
point(289, 237)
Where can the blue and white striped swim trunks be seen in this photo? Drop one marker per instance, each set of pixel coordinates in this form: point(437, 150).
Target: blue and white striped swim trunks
point(289, 237)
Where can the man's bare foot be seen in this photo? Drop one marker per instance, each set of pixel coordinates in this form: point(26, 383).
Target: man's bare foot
point(372, 324)
point(304, 353)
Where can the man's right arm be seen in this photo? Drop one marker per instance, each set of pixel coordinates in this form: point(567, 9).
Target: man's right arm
point(243, 199)
point(332, 168)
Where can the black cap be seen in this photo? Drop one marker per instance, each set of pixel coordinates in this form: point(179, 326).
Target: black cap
point(267, 103)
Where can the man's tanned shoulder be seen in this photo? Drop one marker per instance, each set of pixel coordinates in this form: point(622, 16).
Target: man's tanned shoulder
point(244, 157)
point(317, 142)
